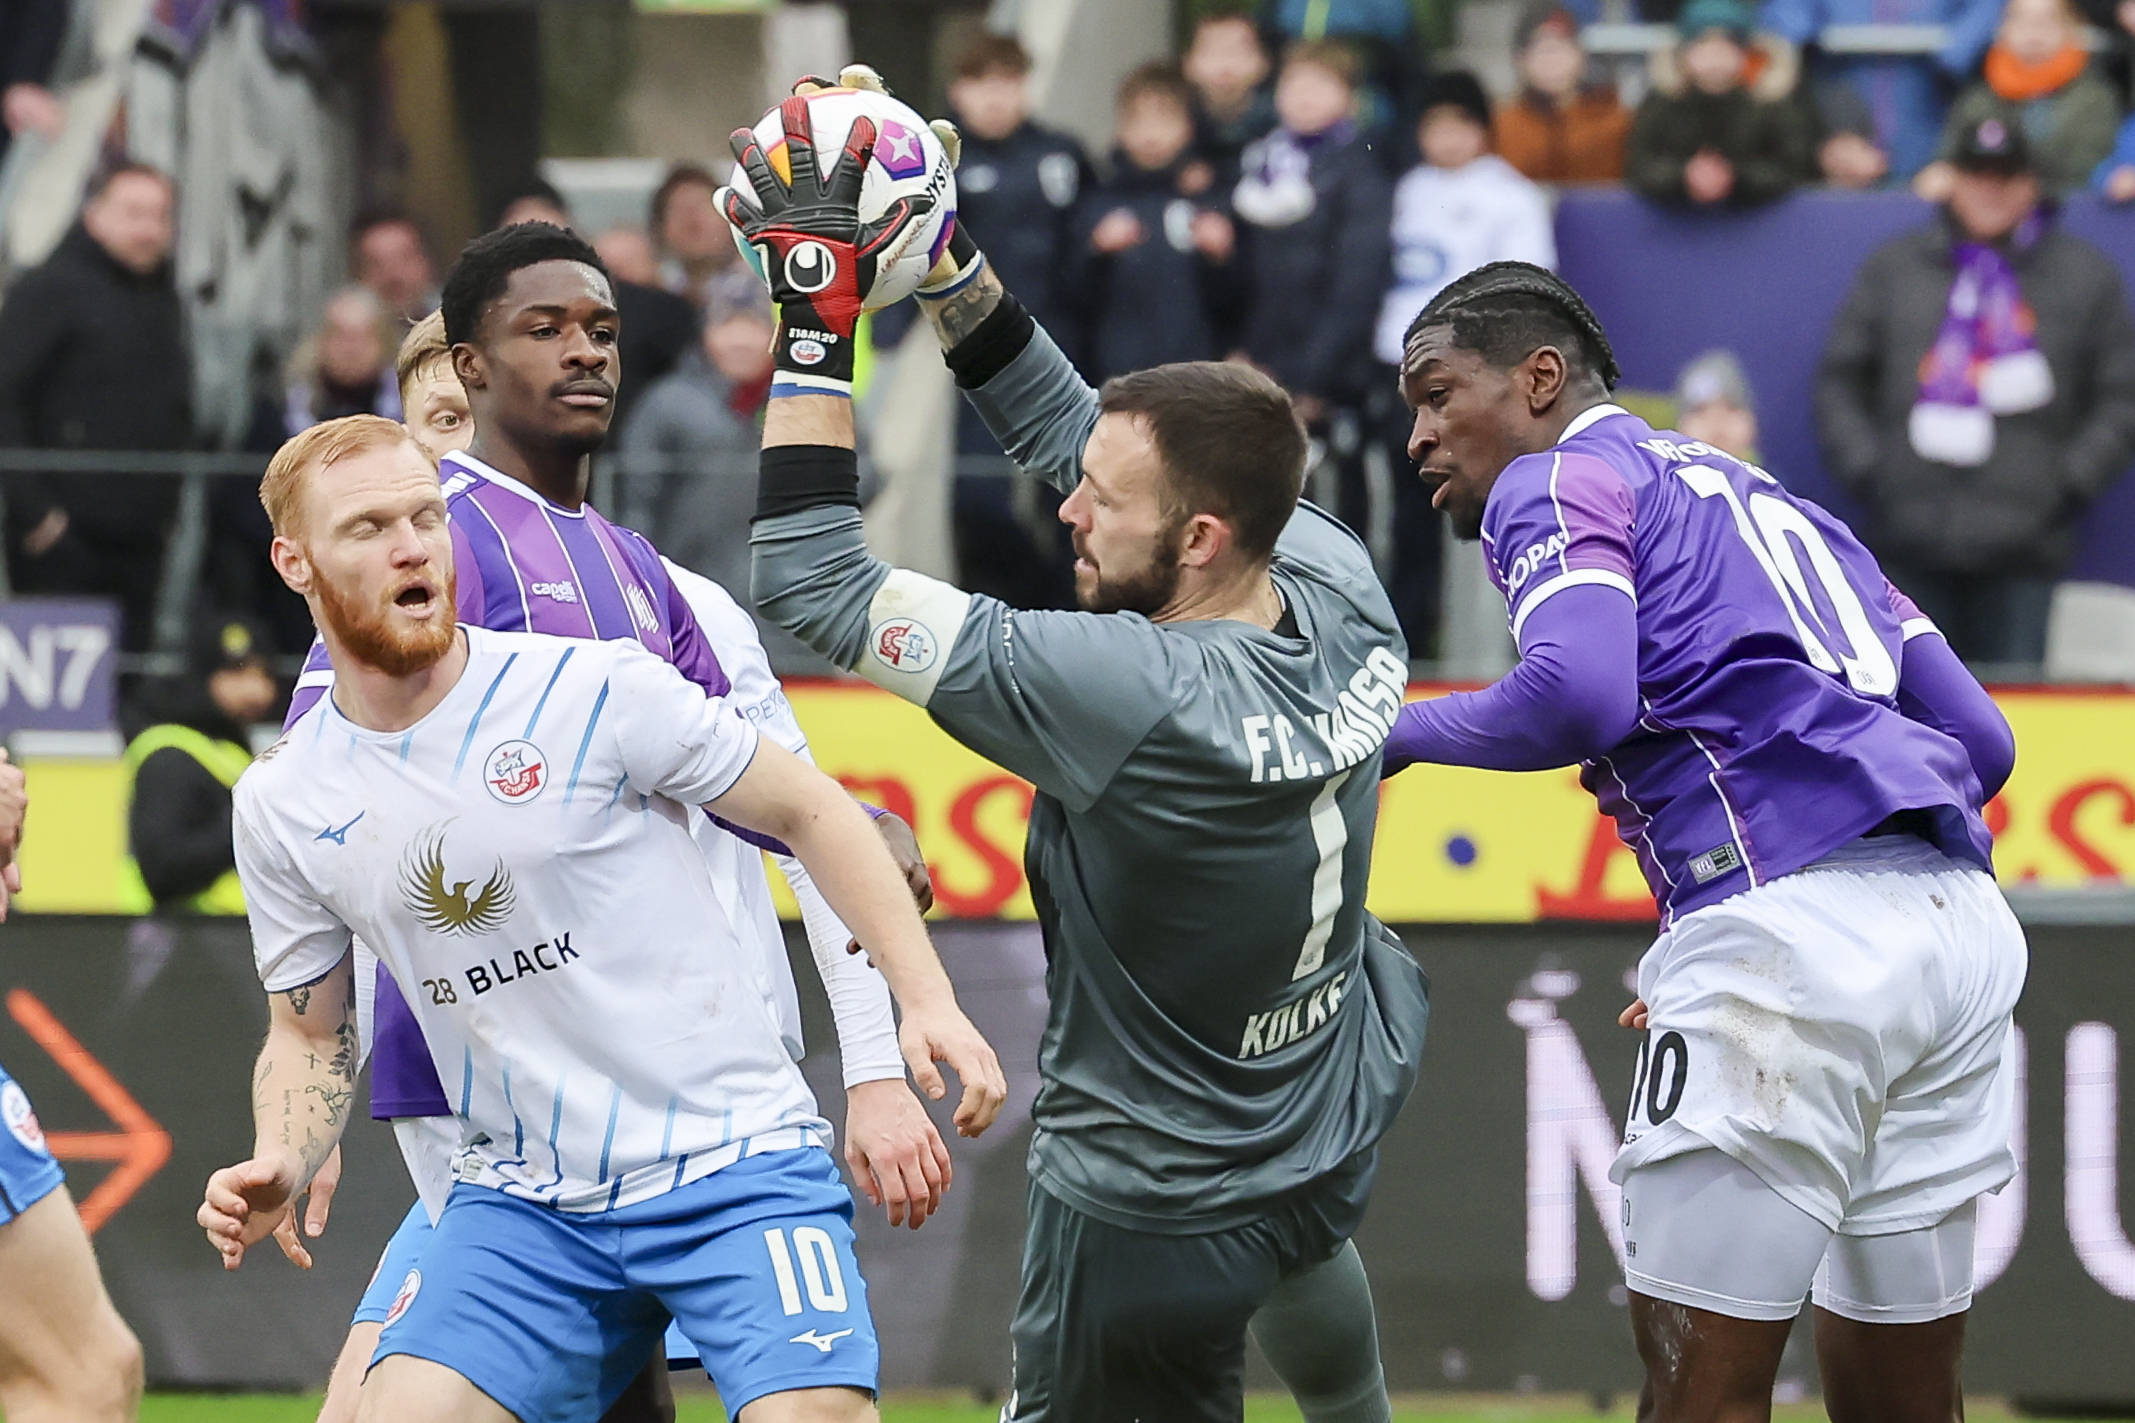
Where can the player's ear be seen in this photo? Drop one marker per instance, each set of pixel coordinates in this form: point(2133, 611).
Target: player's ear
point(1206, 538)
point(467, 365)
point(1545, 374)
point(291, 562)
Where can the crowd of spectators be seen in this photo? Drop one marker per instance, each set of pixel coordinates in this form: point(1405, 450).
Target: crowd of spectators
point(1289, 192)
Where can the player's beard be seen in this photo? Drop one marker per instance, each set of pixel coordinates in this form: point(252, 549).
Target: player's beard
point(1146, 589)
point(373, 636)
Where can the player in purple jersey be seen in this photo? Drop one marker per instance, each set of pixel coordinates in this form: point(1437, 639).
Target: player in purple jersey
point(1799, 762)
point(529, 326)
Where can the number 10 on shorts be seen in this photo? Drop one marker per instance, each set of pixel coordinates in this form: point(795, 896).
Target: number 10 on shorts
point(819, 1269)
point(1657, 1082)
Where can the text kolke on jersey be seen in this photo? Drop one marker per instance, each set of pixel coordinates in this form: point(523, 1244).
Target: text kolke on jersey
point(1358, 725)
point(544, 957)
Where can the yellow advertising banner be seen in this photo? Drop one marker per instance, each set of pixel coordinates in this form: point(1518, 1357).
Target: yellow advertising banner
point(1453, 845)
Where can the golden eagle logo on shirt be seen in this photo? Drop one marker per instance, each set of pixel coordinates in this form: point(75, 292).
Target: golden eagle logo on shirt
point(441, 902)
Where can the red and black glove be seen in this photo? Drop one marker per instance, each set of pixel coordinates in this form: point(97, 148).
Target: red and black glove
point(818, 259)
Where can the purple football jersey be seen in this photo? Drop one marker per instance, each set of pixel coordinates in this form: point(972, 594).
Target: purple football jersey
point(523, 565)
point(1769, 647)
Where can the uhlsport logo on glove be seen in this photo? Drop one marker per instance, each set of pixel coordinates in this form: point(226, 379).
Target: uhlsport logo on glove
point(810, 267)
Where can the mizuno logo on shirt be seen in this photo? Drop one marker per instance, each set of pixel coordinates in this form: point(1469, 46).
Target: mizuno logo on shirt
point(821, 1341)
point(340, 836)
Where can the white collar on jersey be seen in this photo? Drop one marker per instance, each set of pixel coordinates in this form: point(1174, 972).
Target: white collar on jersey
point(498, 477)
point(1586, 419)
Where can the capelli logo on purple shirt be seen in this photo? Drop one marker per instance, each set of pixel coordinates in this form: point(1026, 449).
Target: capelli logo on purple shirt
point(561, 592)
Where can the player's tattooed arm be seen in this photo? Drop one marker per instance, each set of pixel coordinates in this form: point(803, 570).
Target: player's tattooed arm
point(957, 315)
point(305, 1080)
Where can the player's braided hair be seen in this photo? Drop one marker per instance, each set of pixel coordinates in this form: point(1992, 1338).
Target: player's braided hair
point(485, 269)
point(1505, 310)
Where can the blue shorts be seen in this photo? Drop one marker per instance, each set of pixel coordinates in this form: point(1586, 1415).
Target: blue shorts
point(551, 1313)
point(399, 1257)
point(404, 1252)
point(27, 1171)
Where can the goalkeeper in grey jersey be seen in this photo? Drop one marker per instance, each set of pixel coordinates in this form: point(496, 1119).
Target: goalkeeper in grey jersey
point(1229, 1034)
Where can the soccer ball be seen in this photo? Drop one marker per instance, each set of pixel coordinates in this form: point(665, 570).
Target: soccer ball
point(908, 162)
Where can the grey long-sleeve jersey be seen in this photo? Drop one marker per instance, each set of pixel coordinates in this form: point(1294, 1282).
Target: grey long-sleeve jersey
point(1227, 1024)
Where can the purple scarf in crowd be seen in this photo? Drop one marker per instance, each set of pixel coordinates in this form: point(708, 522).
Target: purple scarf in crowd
point(1985, 361)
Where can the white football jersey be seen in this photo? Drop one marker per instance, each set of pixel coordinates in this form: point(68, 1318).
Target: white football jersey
point(521, 859)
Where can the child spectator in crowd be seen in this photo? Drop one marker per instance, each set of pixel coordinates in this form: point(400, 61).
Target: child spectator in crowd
point(1385, 39)
point(1156, 260)
point(1713, 404)
point(1017, 191)
point(1559, 128)
point(1228, 67)
point(1849, 151)
point(2038, 77)
point(1721, 127)
point(1314, 213)
point(1894, 103)
point(1461, 207)
point(1019, 182)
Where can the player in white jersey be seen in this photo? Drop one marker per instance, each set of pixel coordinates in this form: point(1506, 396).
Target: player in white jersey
point(635, 1140)
point(888, 1142)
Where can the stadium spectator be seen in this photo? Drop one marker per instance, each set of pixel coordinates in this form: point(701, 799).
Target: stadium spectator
point(1976, 394)
point(179, 857)
point(1019, 182)
point(95, 359)
point(30, 36)
point(1560, 128)
point(343, 368)
point(2038, 78)
point(1017, 192)
point(387, 253)
point(1314, 216)
point(1849, 150)
point(1721, 127)
point(630, 255)
point(1713, 403)
point(658, 327)
point(689, 454)
point(697, 252)
point(1228, 66)
point(1156, 267)
point(1385, 39)
point(1461, 207)
point(1903, 93)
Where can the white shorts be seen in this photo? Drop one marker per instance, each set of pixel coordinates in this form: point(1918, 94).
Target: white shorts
point(1843, 1032)
point(1703, 1230)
